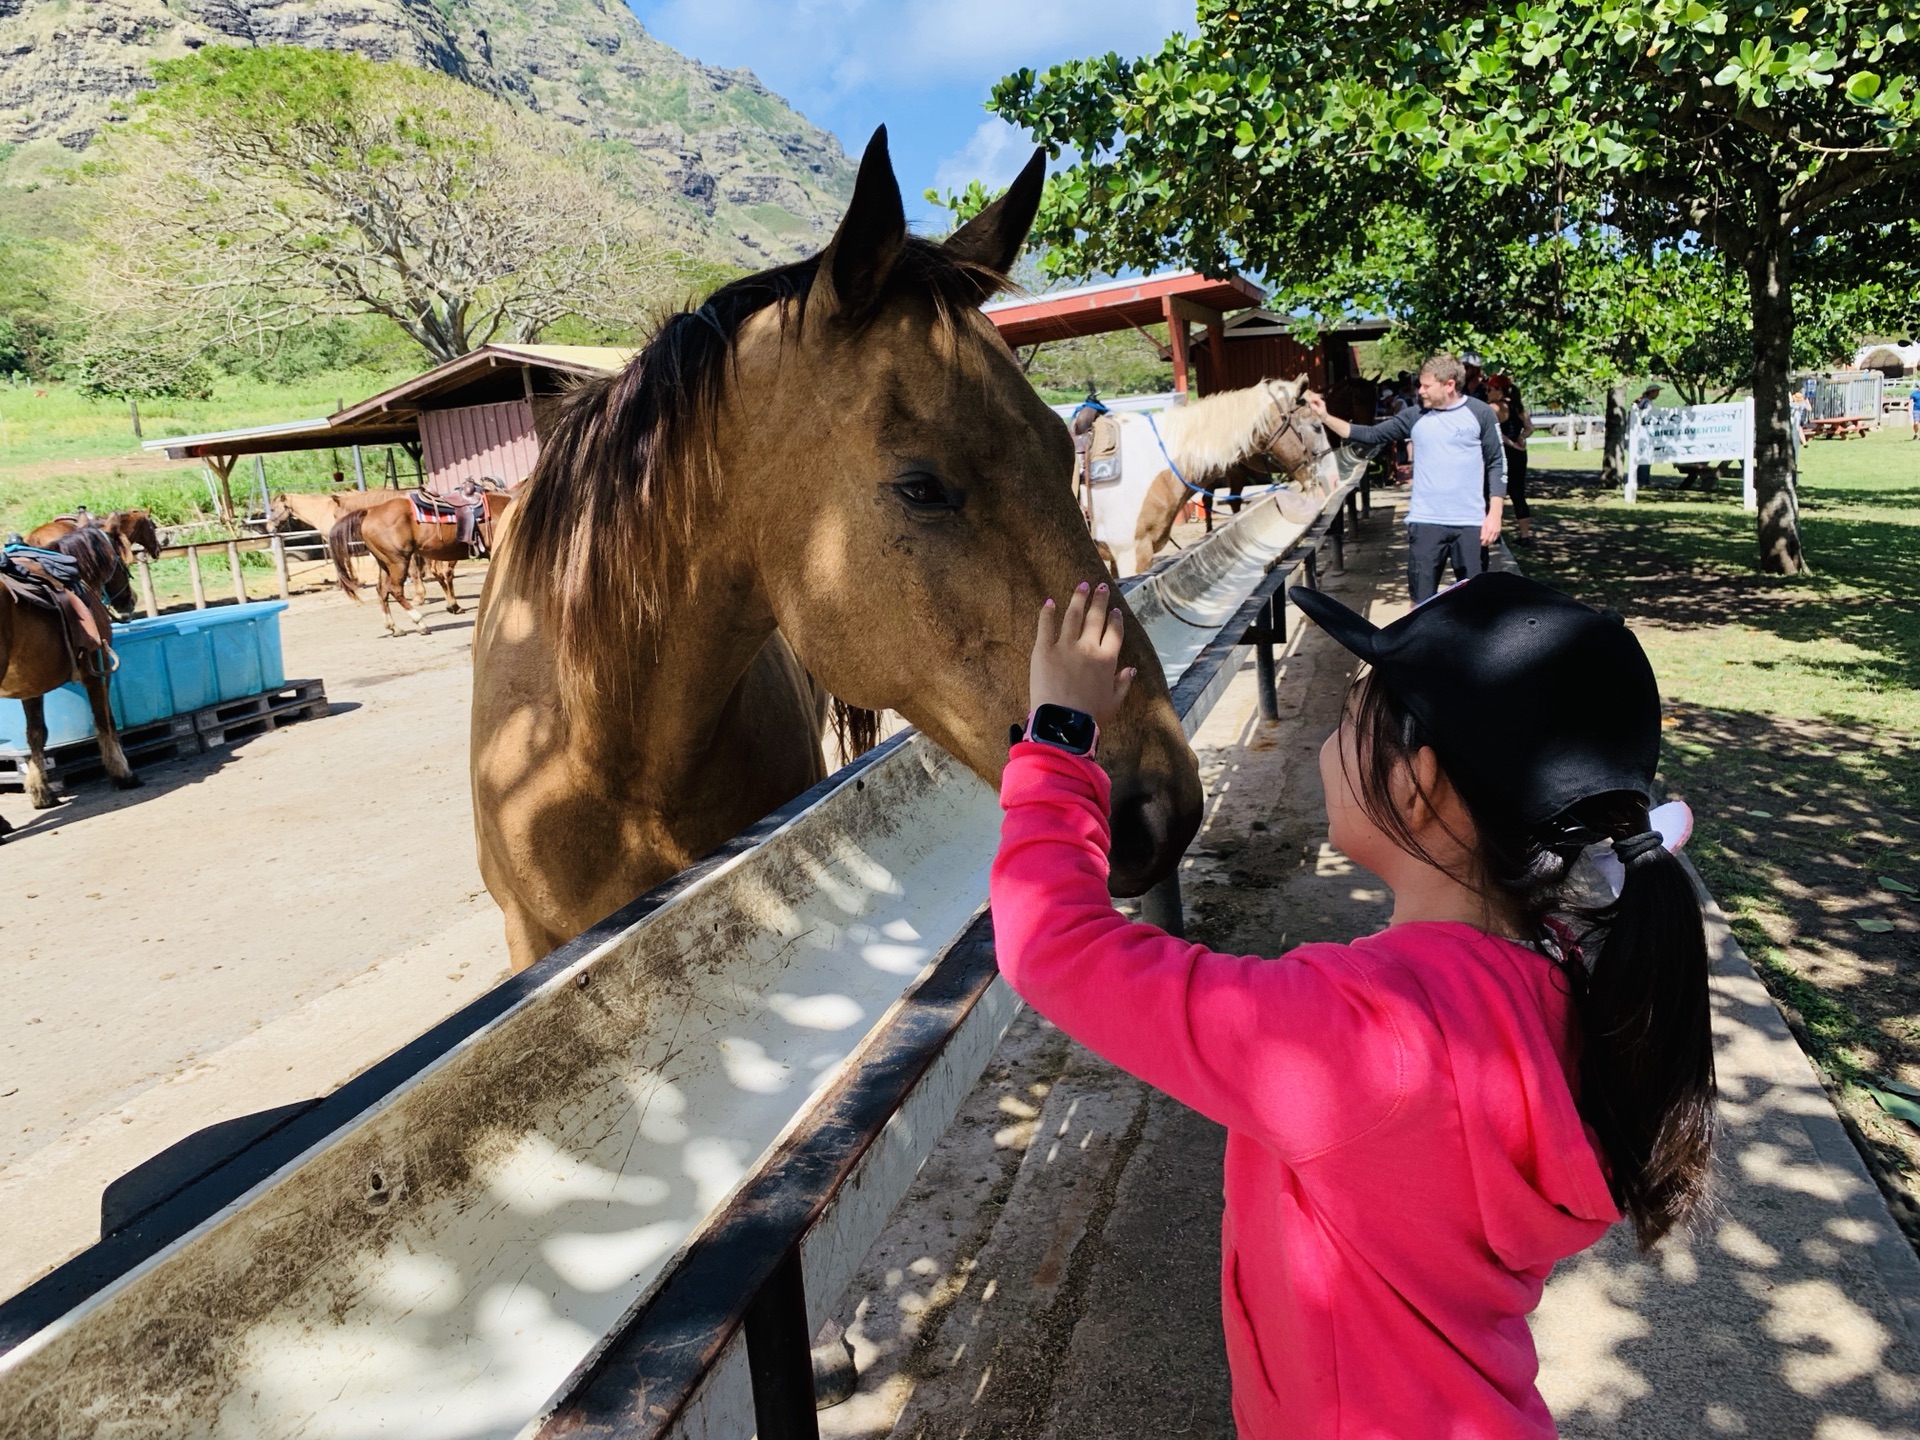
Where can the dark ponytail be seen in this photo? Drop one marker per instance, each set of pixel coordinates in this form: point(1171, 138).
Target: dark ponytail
point(1646, 1059)
point(1640, 1001)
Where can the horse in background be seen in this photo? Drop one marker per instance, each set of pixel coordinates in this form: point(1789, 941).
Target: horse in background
point(40, 651)
point(400, 540)
point(129, 530)
point(658, 622)
point(1226, 441)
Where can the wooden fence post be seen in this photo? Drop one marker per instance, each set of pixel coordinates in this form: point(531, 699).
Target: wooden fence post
point(280, 565)
point(199, 585)
point(146, 588)
point(233, 565)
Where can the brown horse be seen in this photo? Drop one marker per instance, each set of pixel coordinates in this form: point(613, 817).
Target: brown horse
point(399, 541)
point(127, 529)
point(656, 614)
point(103, 571)
point(38, 654)
point(1263, 435)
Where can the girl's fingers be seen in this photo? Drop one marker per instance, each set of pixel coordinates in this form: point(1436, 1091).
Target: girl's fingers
point(1110, 642)
point(1095, 619)
point(1074, 620)
point(1049, 627)
point(1123, 682)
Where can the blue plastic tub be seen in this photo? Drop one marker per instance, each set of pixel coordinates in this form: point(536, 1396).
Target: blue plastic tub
point(169, 666)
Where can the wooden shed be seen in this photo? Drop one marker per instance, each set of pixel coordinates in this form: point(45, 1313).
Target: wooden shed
point(476, 417)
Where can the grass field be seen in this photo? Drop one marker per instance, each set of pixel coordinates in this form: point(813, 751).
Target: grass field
point(59, 449)
point(1794, 732)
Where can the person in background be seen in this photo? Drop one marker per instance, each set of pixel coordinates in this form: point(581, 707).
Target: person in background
point(1643, 473)
point(1459, 473)
point(1913, 405)
point(1516, 425)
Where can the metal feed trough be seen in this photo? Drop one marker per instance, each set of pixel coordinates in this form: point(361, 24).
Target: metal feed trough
point(617, 1194)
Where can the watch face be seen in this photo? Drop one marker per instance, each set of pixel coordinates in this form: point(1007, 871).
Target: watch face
point(1068, 729)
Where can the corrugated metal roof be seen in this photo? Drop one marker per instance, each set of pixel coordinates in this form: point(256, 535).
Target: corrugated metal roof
point(442, 379)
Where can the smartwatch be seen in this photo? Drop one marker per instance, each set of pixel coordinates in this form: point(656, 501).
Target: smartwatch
point(1070, 730)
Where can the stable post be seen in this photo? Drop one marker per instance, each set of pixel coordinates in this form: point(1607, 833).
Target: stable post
point(1160, 908)
point(780, 1355)
point(146, 588)
point(1263, 658)
point(233, 565)
point(1366, 490)
point(359, 469)
point(280, 565)
point(1338, 532)
point(199, 585)
point(1312, 561)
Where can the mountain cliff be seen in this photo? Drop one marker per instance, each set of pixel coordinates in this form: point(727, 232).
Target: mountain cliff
point(745, 178)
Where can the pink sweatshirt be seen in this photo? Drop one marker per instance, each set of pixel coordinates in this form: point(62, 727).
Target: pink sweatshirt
point(1404, 1159)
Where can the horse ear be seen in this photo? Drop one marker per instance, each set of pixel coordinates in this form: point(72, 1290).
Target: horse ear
point(872, 235)
point(1300, 385)
point(993, 238)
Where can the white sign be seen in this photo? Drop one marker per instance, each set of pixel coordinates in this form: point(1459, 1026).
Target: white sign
point(1691, 435)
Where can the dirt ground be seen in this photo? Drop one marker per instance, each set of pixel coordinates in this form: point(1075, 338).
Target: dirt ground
point(252, 928)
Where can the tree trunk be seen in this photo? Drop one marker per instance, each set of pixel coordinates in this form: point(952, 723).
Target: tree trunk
point(1613, 463)
point(1770, 292)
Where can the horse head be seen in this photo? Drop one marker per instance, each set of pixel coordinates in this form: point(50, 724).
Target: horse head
point(1298, 446)
point(844, 449)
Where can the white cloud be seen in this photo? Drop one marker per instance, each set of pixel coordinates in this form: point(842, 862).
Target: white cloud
point(993, 156)
point(815, 52)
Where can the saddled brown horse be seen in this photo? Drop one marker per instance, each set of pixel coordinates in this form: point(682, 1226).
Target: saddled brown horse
point(656, 614)
point(103, 568)
point(399, 541)
point(128, 529)
point(41, 650)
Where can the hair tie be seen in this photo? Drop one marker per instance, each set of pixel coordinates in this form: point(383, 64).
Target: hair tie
point(1632, 849)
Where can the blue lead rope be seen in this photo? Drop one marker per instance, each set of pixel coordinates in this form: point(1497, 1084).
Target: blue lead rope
point(1210, 494)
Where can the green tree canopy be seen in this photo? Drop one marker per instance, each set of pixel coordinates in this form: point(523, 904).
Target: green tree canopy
point(1772, 135)
point(258, 189)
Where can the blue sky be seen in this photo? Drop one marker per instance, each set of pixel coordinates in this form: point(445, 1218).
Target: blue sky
point(921, 67)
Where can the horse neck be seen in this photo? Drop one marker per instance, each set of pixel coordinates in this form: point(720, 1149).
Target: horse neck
point(1211, 436)
point(691, 653)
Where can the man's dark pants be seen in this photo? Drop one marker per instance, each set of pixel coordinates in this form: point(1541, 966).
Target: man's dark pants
point(1430, 548)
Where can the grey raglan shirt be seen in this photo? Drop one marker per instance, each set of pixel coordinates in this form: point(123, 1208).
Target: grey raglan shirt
point(1457, 460)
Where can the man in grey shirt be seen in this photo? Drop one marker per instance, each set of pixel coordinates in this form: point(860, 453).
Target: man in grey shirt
point(1459, 473)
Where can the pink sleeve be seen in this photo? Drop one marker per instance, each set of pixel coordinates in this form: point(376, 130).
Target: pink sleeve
point(1302, 1052)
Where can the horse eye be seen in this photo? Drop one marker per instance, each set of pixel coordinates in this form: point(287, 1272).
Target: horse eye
point(922, 491)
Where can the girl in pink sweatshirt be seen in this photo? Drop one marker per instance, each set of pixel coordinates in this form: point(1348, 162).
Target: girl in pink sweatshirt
point(1422, 1122)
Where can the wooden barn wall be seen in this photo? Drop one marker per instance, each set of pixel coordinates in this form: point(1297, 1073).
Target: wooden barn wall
point(478, 442)
point(1255, 358)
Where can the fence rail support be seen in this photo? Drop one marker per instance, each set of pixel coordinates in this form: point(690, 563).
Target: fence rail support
point(233, 567)
point(146, 589)
point(199, 584)
point(1266, 633)
point(779, 1355)
point(280, 567)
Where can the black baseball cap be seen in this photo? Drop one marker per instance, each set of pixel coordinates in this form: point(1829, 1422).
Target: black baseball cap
point(1528, 697)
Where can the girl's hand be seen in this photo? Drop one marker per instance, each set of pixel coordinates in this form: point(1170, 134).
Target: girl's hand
point(1076, 655)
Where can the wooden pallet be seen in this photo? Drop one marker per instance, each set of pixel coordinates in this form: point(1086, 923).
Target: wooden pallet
point(227, 723)
point(235, 720)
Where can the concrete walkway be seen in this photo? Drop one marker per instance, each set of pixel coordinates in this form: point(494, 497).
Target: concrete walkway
point(1054, 1271)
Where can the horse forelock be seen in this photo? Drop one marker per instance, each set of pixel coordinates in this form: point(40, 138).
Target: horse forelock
point(615, 493)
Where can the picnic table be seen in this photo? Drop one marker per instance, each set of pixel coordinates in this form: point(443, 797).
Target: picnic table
point(1839, 427)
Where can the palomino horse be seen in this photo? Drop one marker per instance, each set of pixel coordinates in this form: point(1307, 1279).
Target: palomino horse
point(656, 613)
point(38, 653)
point(399, 541)
point(1224, 441)
point(127, 529)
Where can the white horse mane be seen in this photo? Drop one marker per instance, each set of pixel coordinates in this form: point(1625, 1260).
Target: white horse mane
point(1207, 438)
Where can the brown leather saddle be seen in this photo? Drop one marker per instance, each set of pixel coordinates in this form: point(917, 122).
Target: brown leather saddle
point(463, 509)
point(48, 580)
